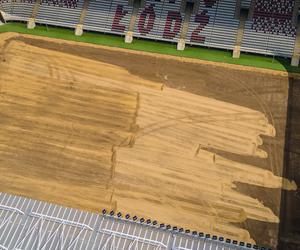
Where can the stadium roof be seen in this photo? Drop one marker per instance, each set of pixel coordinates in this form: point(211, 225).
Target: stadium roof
point(31, 224)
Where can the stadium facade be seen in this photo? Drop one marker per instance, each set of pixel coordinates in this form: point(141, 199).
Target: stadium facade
point(267, 27)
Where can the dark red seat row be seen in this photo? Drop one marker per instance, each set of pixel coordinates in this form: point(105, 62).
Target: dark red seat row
point(274, 16)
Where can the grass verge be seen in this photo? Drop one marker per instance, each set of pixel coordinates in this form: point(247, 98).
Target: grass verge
point(202, 53)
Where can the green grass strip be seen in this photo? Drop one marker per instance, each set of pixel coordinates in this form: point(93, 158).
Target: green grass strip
point(202, 53)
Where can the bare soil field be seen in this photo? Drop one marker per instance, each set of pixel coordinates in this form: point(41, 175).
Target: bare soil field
point(187, 143)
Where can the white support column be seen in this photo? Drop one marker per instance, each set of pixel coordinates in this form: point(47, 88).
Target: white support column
point(236, 51)
point(188, 10)
point(296, 52)
point(181, 44)
point(129, 37)
point(31, 23)
point(79, 30)
point(295, 61)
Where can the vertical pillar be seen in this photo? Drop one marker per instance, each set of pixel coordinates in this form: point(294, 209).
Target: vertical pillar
point(135, 10)
point(35, 10)
point(181, 44)
point(295, 12)
point(295, 61)
point(296, 52)
point(240, 34)
point(31, 23)
point(185, 27)
point(79, 30)
point(251, 11)
point(129, 37)
point(238, 9)
point(79, 26)
point(236, 51)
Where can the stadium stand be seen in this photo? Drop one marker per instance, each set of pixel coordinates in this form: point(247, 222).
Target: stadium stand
point(172, 19)
point(108, 16)
point(214, 25)
point(20, 9)
point(119, 17)
point(270, 28)
point(246, 4)
point(64, 13)
point(160, 20)
point(97, 16)
point(270, 31)
point(5, 5)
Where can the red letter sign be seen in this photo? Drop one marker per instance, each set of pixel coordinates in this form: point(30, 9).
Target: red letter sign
point(173, 24)
point(203, 20)
point(148, 15)
point(116, 26)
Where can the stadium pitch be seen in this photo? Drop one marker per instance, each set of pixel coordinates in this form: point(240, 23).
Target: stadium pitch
point(191, 143)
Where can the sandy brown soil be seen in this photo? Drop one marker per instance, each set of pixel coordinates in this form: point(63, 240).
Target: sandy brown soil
point(190, 144)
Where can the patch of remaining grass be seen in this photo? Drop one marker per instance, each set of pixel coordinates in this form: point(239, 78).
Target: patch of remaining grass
point(155, 47)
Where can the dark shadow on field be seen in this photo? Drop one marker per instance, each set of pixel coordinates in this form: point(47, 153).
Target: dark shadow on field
point(286, 63)
point(289, 228)
point(289, 232)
